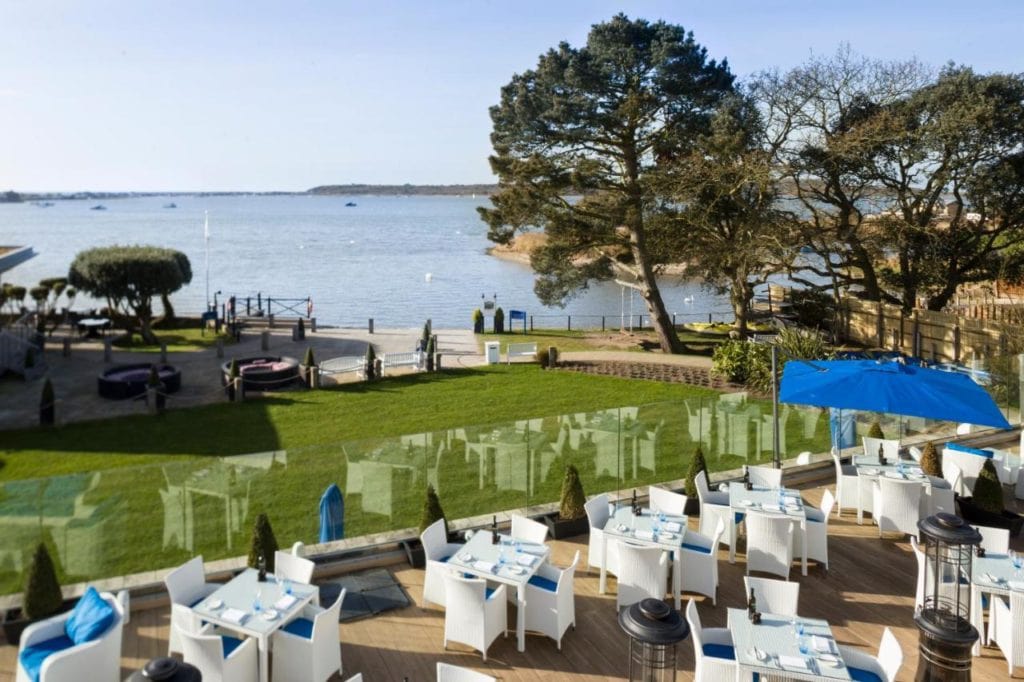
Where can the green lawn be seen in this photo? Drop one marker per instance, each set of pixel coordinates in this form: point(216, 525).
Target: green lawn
point(563, 339)
point(163, 493)
point(180, 339)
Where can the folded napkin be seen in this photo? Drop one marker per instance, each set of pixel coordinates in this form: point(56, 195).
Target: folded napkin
point(236, 616)
point(482, 565)
point(285, 602)
point(917, 471)
point(822, 644)
point(535, 550)
point(894, 474)
point(526, 560)
point(645, 534)
point(673, 527)
point(798, 662)
point(771, 507)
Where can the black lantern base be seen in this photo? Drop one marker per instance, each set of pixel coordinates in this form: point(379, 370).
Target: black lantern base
point(945, 652)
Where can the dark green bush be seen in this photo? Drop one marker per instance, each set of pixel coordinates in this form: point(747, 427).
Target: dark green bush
point(371, 361)
point(697, 465)
point(432, 510)
point(813, 309)
point(573, 500)
point(478, 321)
point(988, 491)
point(42, 596)
point(731, 360)
point(931, 463)
point(263, 543)
point(542, 357)
point(499, 321)
point(309, 360)
point(876, 430)
point(233, 371)
point(154, 377)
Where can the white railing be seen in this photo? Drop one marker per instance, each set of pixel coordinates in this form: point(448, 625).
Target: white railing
point(343, 365)
point(413, 359)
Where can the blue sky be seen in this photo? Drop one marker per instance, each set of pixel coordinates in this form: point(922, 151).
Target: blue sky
point(211, 95)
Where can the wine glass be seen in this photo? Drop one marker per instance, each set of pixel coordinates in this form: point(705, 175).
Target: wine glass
point(287, 586)
point(1018, 561)
point(804, 647)
point(257, 605)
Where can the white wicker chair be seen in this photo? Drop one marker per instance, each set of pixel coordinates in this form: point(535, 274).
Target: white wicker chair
point(816, 532)
point(186, 587)
point(220, 658)
point(358, 677)
point(1006, 628)
point(712, 648)
point(885, 665)
point(764, 477)
point(919, 590)
point(288, 566)
point(847, 485)
point(437, 550)
point(447, 672)
point(528, 530)
point(804, 458)
point(891, 448)
point(643, 573)
point(666, 501)
point(969, 466)
point(98, 660)
point(994, 540)
point(769, 543)
point(550, 600)
point(597, 516)
point(938, 497)
point(714, 507)
point(307, 647)
point(779, 597)
point(699, 556)
point(472, 617)
point(897, 505)
point(915, 453)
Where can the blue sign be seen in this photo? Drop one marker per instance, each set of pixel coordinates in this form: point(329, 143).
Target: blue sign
point(517, 315)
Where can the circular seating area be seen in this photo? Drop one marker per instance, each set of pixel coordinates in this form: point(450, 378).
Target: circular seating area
point(267, 373)
point(121, 382)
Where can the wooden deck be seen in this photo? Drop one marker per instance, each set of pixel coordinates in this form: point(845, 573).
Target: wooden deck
point(870, 586)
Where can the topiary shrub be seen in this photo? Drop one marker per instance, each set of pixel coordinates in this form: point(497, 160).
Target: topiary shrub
point(697, 465)
point(154, 378)
point(478, 321)
point(263, 543)
point(309, 360)
point(571, 507)
point(431, 350)
point(47, 404)
point(233, 373)
point(875, 431)
point(731, 359)
point(425, 336)
point(931, 462)
point(432, 511)
point(543, 357)
point(371, 362)
point(42, 596)
point(499, 321)
point(988, 491)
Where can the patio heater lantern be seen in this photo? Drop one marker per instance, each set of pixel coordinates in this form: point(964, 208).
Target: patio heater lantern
point(654, 629)
point(944, 620)
point(167, 670)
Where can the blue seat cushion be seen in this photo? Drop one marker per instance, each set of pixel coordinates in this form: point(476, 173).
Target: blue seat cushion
point(229, 644)
point(32, 657)
point(697, 548)
point(860, 675)
point(300, 627)
point(739, 518)
point(973, 451)
point(543, 583)
point(90, 618)
point(489, 592)
point(445, 558)
point(719, 651)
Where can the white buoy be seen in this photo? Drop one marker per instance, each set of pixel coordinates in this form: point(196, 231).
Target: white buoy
point(351, 241)
point(688, 299)
point(428, 277)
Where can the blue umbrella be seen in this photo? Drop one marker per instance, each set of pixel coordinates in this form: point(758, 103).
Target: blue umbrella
point(890, 387)
point(332, 515)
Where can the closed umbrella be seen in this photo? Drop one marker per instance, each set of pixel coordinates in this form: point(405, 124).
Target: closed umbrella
point(332, 514)
point(891, 387)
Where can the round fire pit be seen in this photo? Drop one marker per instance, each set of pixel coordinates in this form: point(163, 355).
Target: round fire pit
point(267, 373)
point(121, 382)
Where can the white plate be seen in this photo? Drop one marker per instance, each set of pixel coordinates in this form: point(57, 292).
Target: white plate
point(758, 654)
point(667, 537)
point(830, 660)
point(747, 503)
point(214, 604)
point(269, 614)
point(871, 472)
point(518, 570)
point(465, 556)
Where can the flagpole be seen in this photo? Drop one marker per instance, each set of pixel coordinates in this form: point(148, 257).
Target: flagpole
point(206, 237)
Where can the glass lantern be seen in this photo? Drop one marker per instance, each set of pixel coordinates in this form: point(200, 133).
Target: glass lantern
point(944, 619)
point(654, 629)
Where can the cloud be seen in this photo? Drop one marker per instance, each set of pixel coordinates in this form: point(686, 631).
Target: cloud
point(10, 92)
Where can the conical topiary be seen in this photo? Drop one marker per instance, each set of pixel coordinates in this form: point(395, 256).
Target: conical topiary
point(47, 404)
point(478, 321)
point(430, 354)
point(876, 430)
point(42, 596)
point(931, 463)
point(573, 499)
point(309, 360)
point(263, 542)
point(499, 321)
point(697, 465)
point(371, 360)
point(154, 377)
point(432, 511)
point(988, 491)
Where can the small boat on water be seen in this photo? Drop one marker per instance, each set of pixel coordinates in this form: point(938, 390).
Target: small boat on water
point(171, 205)
point(350, 203)
point(44, 204)
point(98, 207)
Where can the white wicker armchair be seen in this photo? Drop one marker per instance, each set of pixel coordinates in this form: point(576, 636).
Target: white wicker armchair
point(699, 555)
point(186, 587)
point(471, 616)
point(816, 532)
point(528, 530)
point(885, 666)
point(769, 543)
point(847, 485)
point(897, 505)
point(773, 596)
point(307, 648)
point(712, 648)
point(714, 507)
point(437, 550)
point(597, 517)
point(643, 573)
point(1006, 628)
point(447, 672)
point(764, 477)
point(220, 658)
point(550, 600)
point(994, 540)
point(666, 501)
point(100, 658)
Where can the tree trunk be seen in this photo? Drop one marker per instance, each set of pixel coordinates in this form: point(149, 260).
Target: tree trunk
point(740, 295)
point(660, 320)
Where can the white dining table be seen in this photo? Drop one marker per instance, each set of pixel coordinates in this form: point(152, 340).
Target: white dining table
point(772, 648)
point(239, 595)
point(623, 525)
point(483, 559)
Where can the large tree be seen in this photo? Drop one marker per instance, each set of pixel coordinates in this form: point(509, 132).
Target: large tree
point(129, 277)
point(732, 230)
point(578, 142)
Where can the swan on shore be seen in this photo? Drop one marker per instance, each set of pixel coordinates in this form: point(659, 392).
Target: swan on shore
point(428, 277)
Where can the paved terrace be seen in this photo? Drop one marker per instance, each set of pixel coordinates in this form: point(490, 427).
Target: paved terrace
point(870, 586)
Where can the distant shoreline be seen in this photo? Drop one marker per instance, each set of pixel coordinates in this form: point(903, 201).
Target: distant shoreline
point(483, 190)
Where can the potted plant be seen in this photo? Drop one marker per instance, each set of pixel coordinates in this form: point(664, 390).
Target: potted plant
point(154, 389)
point(931, 464)
point(499, 320)
point(478, 321)
point(571, 519)
point(697, 465)
point(431, 514)
point(233, 374)
point(875, 430)
point(308, 369)
point(42, 597)
point(47, 404)
point(263, 543)
point(371, 363)
point(986, 506)
point(430, 354)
